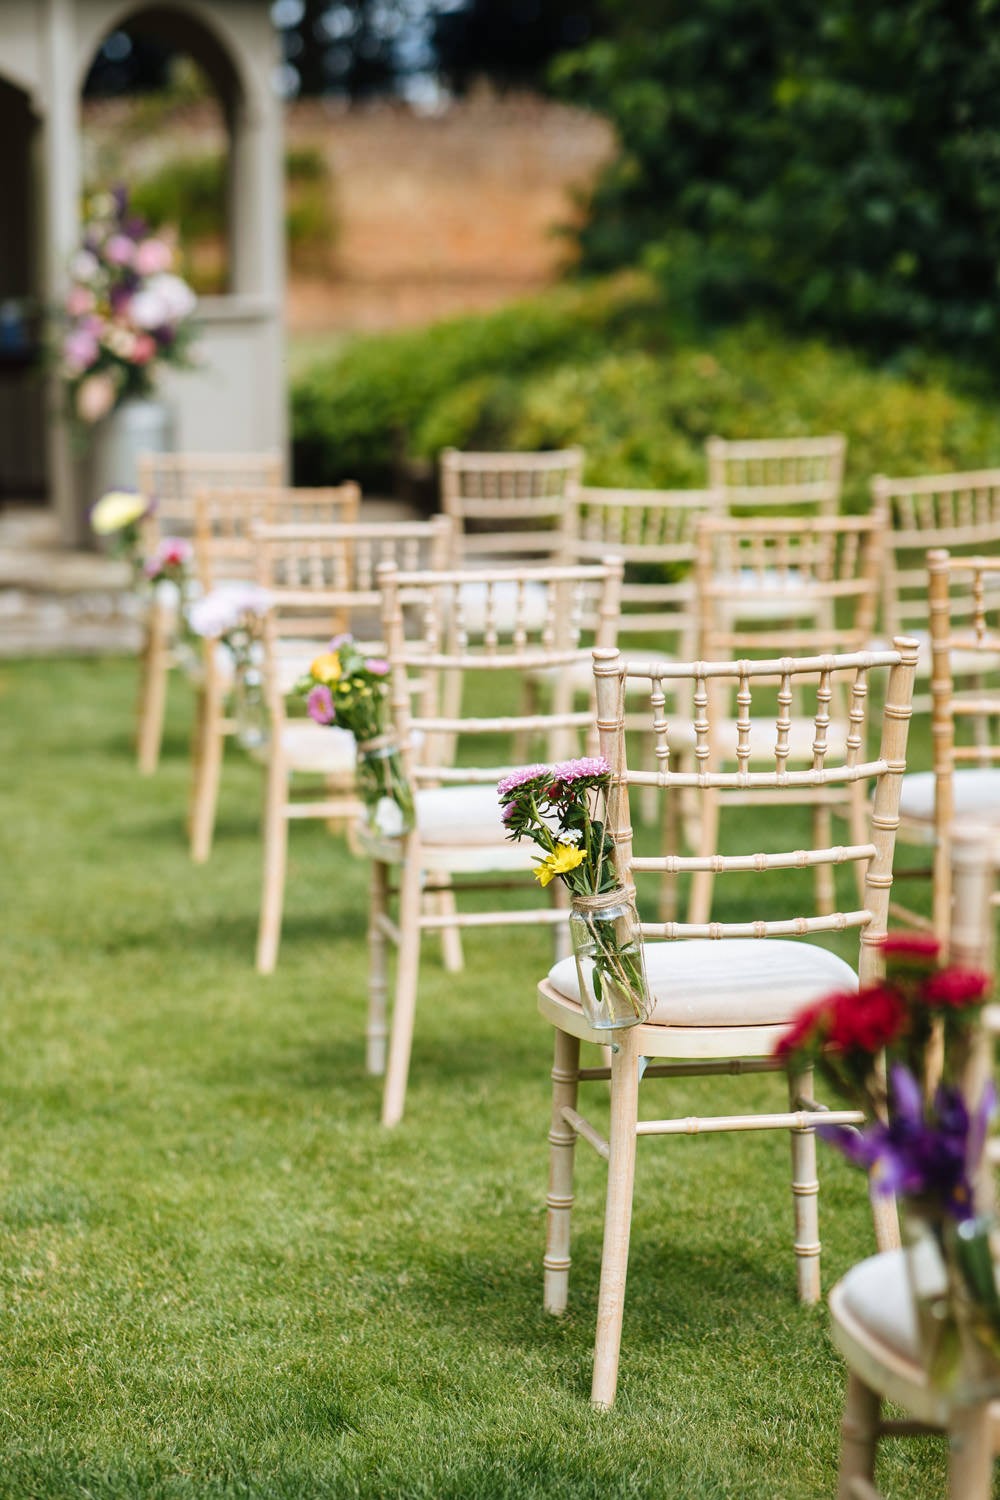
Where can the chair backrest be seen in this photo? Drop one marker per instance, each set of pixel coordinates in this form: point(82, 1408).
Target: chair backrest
point(322, 580)
point(778, 473)
point(224, 543)
point(535, 620)
point(960, 512)
point(755, 730)
point(172, 481)
point(653, 532)
point(767, 585)
point(511, 506)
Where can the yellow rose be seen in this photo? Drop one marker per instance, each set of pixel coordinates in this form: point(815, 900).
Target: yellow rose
point(563, 857)
point(117, 509)
point(326, 668)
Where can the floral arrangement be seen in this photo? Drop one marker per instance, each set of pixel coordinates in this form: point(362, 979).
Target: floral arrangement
point(232, 615)
point(126, 312)
point(554, 807)
point(347, 687)
point(926, 1141)
point(170, 562)
point(118, 516)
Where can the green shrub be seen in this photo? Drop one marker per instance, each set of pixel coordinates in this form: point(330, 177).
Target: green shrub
point(602, 366)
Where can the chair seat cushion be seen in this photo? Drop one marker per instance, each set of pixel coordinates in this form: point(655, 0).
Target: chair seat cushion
point(525, 604)
point(469, 816)
point(963, 663)
point(317, 747)
point(976, 791)
point(763, 736)
point(877, 1292)
point(729, 982)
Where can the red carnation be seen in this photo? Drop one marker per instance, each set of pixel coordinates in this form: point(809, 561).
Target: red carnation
point(805, 1030)
point(911, 945)
point(956, 988)
point(867, 1021)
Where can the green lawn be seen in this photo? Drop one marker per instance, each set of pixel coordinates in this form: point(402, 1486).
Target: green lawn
point(221, 1277)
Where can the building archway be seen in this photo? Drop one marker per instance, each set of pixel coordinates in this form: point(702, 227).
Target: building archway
point(22, 463)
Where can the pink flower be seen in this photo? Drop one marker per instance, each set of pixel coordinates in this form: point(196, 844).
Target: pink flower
point(95, 397)
point(378, 665)
point(79, 301)
point(152, 257)
point(80, 350)
point(319, 705)
point(587, 767)
point(171, 552)
point(120, 250)
point(956, 988)
point(514, 779)
point(144, 349)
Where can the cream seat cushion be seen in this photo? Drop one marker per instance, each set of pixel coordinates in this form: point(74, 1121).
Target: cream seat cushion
point(469, 816)
point(963, 663)
point(976, 791)
point(877, 1292)
point(512, 603)
point(293, 659)
point(320, 748)
point(729, 982)
point(763, 737)
point(769, 595)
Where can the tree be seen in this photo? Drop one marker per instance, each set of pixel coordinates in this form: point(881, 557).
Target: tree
point(838, 163)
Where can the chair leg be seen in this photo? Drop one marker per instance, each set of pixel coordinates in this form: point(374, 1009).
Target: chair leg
point(378, 907)
point(805, 1193)
point(275, 861)
point(702, 881)
point(451, 937)
point(562, 1149)
point(153, 670)
point(405, 1004)
point(859, 1433)
point(970, 1454)
point(617, 1220)
point(208, 769)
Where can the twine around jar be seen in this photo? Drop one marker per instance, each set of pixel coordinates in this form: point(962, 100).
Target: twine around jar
point(616, 897)
point(380, 742)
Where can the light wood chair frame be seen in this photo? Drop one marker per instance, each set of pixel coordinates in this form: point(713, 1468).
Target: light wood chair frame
point(778, 473)
point(322, 580)
point(820, 587)
point(963, 597)
point(579, 600)
point(170, 481)
point(877, 1372)
point(718, 1050)
point(489, 495)
point(225, 550)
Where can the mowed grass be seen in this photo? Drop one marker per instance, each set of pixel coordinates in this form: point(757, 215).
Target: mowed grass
point(221, 1277)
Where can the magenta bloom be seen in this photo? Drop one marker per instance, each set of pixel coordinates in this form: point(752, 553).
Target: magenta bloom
point(319, 705)
point(507, 812)
point(338, 641)
point(520, 777)
point(378, 665)
point(587, 768)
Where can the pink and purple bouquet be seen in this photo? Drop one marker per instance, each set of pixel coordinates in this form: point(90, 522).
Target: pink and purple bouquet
point(170, 563)
point(553, 806)
point(126, 311)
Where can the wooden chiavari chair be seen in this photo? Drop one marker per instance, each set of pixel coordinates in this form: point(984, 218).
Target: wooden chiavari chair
point(225, 551)
point(723, 992)
point(778, 474)
point(322, 582)
point(170, 481)
point(458, 830)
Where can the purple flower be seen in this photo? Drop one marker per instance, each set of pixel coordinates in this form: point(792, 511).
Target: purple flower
point(507, 812)
point(520, 777)
point(319, 705)
point(919, 1157)
point(587, 768)
point(338, 641)
point(378, 665)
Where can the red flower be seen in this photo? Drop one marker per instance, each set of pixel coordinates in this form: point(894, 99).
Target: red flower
point(867, 1021)
point(911, 945)
point(956, 988)
point(806, 1028)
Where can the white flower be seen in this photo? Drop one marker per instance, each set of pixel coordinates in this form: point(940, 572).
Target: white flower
point(117, 509)
point(388, 818)
point(84, 266)
point(164, 299)
point(223, 609)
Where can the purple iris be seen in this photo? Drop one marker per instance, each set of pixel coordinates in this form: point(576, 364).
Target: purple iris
point(919, 1157)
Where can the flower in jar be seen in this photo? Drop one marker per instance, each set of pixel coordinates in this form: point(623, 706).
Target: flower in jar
point(319, 705)
point(326, 668)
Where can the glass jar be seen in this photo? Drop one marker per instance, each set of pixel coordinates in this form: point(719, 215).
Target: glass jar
point(249, 707)
point(384, 790)
point(611, 971)
point(955, 1301)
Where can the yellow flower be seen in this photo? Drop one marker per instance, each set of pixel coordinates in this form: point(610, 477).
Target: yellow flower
point(117, 509)
point(563, 857)
point(326, 668)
